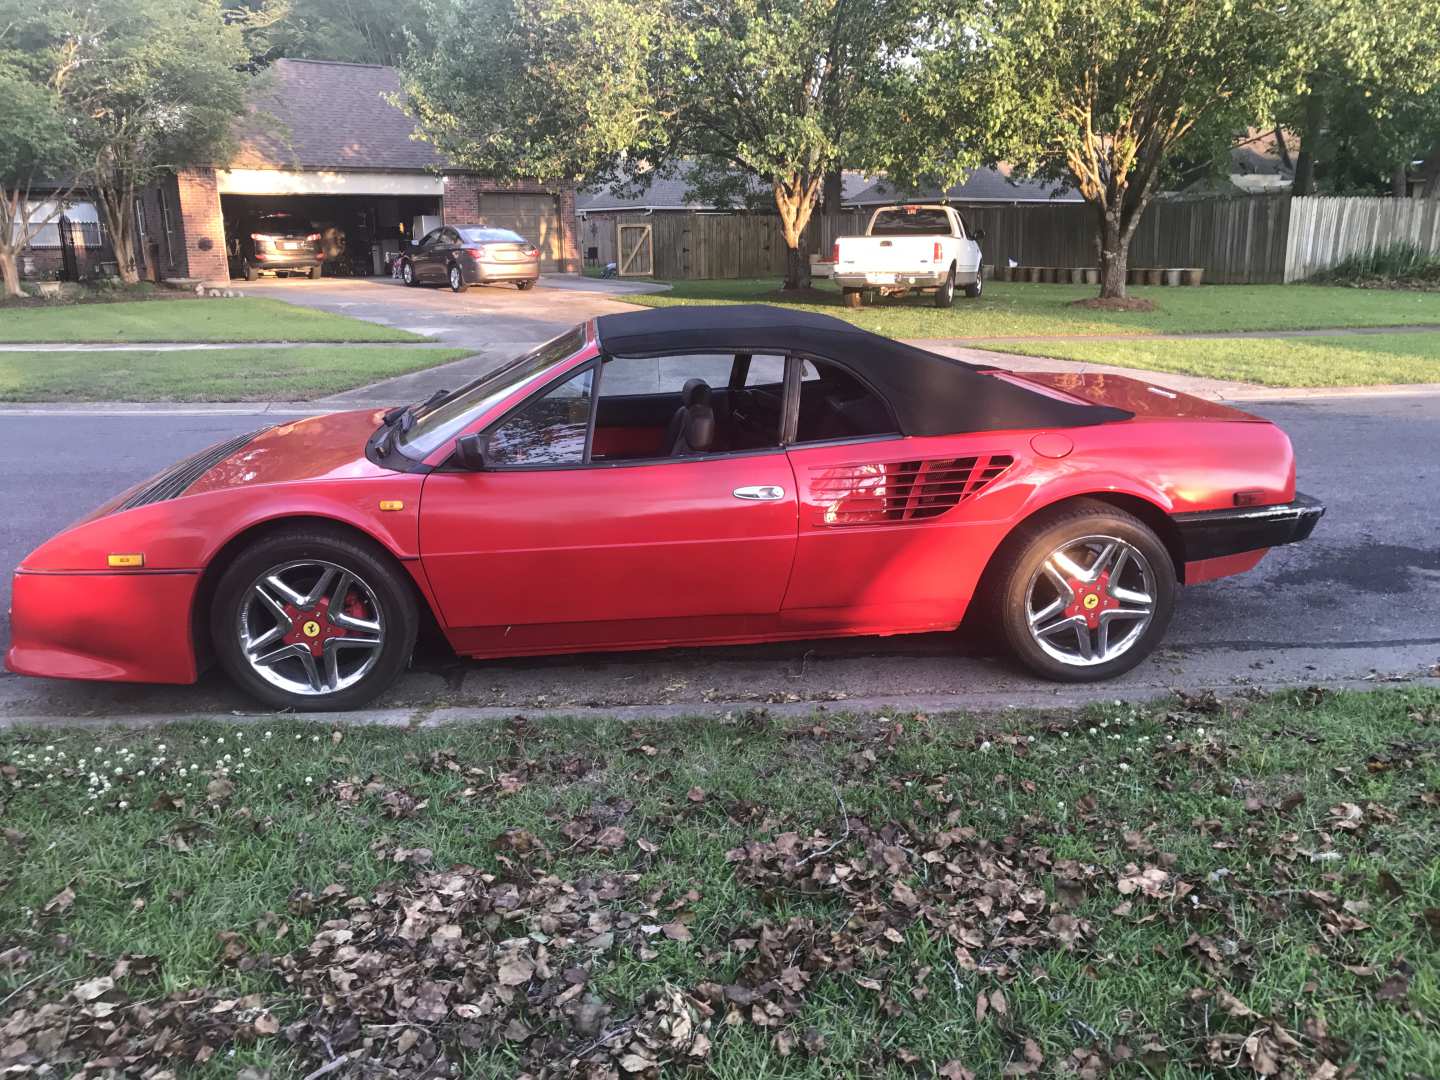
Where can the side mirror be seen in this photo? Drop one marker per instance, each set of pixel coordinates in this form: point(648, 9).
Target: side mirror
point(473, 452)
point(978, 234)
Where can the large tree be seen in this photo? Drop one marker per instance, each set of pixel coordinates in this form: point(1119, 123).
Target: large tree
point(36, 150)
point(1104, 93)
point(154, 86)
point(1366, 102)
point(782, 91)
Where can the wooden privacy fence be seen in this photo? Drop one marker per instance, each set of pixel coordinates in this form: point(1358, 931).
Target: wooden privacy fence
point(1326, 229)
point(1256, 239)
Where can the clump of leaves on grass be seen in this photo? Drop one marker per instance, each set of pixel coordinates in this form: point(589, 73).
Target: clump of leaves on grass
point(1204, 886)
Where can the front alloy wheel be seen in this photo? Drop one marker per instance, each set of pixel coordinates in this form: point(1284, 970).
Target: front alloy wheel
point(407, 273)
point(457, 279)
point(314, 618)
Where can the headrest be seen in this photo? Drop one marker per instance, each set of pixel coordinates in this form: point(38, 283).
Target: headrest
point(700, 428)
point(695, 392)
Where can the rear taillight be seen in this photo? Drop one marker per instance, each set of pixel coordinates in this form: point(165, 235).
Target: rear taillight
point(532, 253)
point(835, 252)
point(477, 252)
point(937, 251)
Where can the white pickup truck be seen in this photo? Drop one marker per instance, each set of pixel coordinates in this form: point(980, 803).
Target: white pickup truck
point(909, 248)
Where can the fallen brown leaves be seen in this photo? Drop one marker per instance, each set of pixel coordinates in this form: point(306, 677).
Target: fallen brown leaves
point(400, 982)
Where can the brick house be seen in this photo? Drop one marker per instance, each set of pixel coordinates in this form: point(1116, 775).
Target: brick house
point(321, 140)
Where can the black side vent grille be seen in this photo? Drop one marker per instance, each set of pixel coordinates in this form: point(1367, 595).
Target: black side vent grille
point(175, 480)
point(896, 491)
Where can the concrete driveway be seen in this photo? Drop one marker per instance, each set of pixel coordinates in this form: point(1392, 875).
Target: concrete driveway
point(484, 318)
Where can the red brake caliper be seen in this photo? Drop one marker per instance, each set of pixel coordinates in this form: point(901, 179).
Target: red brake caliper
point(1090, 600)
point(312, 627)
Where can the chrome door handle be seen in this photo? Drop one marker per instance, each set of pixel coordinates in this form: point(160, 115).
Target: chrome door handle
point(760, 493)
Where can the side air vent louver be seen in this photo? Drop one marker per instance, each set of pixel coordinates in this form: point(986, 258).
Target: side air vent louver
point(898, 491)
point(174, 480)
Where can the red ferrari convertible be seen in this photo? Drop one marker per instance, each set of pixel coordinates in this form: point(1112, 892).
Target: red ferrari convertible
point(682, 476)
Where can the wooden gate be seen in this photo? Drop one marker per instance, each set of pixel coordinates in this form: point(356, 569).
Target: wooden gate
point(637, 250)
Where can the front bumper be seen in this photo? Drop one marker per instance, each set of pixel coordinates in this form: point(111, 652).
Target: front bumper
point(1213, 534)
point(925, 279)
point(123, 627)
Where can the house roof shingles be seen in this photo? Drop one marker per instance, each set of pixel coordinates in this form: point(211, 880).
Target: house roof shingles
point(982, 185)
point(321, 114)
point(670, 194)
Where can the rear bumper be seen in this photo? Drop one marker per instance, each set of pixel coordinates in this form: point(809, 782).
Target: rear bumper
point(1213, 534)
point(130, 627)
point(924, 279)
point(287, 260)
point(480, 273)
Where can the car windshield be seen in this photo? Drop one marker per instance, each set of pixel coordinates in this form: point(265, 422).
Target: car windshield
point(911, 221)
point(491, 236)
point(447, 417)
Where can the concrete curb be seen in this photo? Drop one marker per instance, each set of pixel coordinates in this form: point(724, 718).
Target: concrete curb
point(418, 717)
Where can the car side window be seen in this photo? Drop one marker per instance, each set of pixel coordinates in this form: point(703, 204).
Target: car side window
point(429, 238)
point(550, 430)
point(834, 404)
point(449, 236)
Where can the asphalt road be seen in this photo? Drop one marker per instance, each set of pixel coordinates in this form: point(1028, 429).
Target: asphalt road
point(1361, 597)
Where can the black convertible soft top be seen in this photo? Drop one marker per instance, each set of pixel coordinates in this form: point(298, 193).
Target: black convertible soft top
point(931, 394)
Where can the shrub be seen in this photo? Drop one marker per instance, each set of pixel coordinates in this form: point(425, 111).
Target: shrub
point(1397, 266)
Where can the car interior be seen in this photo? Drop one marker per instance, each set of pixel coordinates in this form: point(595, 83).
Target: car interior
point(742, 412)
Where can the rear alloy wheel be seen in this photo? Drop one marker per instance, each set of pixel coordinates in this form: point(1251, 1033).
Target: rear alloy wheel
point(314, 272)
point(313, 620)
point(457, 278)
point(1084, 594)
point(945, 294)
point(250, 272)
point(528, 283)
point(854, 298)
point(407, 272)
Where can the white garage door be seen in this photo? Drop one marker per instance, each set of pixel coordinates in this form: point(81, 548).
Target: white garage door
point(535, 217)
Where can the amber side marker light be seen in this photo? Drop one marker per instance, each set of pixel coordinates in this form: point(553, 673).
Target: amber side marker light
point(392, 504)
point(126, 561)
point(1249, 497)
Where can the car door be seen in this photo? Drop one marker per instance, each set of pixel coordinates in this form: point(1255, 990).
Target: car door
point(876, 549)
point(550, 549)
point(423, 258)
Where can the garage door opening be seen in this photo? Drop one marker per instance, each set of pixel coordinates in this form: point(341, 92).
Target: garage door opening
point(535, 217)
point(358, 235)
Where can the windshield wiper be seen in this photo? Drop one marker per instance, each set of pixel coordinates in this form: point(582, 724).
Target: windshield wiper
point(402, 418)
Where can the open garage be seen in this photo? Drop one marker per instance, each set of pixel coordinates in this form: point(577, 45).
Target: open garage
point(323, 143)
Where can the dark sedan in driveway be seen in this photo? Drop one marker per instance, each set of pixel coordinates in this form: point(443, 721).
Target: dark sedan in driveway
point(465, 255)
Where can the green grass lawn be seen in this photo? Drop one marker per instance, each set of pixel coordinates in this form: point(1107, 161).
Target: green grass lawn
point(1010, 309)
point(1356, 360)
point(244, 319)
point(207, 374)
point(1190, 889)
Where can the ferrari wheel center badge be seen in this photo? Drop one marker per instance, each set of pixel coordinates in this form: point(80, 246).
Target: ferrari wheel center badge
point(311, 629)
point(1092, 601)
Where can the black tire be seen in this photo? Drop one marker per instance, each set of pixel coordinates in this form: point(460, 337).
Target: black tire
point(314, 274)
point(407, 274)
point(528, 283)
point(456, 277)
point(945, 294)
point(392, 592)
point(250, 272)
point(974, 289)
point(853, 298)
point(1024, 553)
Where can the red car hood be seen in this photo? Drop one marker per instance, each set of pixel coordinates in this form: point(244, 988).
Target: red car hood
point(1144, 399)
point(317, 448)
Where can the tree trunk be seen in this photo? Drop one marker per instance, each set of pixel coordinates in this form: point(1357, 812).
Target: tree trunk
point(1309, 143)
point(117, 199)
point(834, 192)
point(1114, 255)
point(1400, 180)
point(797, 268)
point(10, 272)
